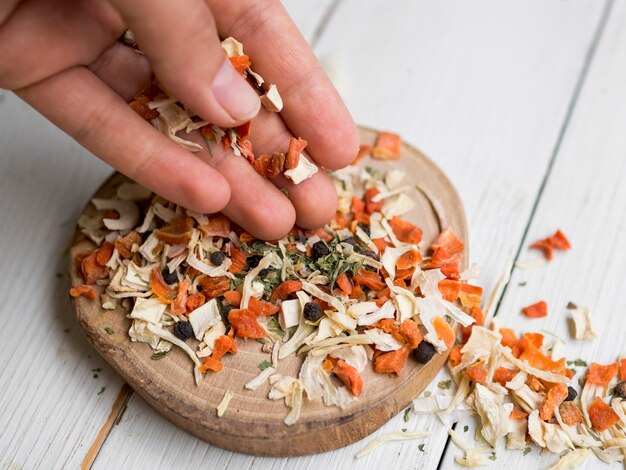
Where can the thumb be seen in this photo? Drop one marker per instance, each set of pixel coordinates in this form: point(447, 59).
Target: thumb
point(181, 43)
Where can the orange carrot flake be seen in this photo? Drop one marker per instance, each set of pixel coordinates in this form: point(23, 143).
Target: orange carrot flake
point(285, 289)
point(392, 361)
point(84, 290)
point(350, 376)
point(245, 325)
point(570, 413)
point(601, 375)
point(296, 146)
point(555, 396)
point(388, 146)
point(240, 63)
point(502, 375)
point(477, 373)
point(558, 241)
point(538, 310)
point(602, 416)
point(444, 331)
point(405, 231)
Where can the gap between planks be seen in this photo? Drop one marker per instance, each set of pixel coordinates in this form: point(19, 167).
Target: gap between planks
point(582, 76)
point(117, 411)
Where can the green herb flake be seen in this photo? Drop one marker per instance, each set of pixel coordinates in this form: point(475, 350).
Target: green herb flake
point(160, 355)
point(262, 340)
point(427, 393)
point(493, 456)
point(577, 363)
point(274, 326)
point(404, 429)
point(571, 306)
point(445, 384)
point(421, 447)
point(109, 330)
point(101, 391)
point(465, 428)
point(264, 365)
point(527, 451)
point(407, 412)
point(522, 284)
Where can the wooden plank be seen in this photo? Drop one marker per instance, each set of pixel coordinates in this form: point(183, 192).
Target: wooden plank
point(490, 85)
point(585, 196)
point(53, 403)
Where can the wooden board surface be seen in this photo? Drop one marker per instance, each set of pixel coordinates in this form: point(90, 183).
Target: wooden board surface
point(483, 87)
point(254, 424)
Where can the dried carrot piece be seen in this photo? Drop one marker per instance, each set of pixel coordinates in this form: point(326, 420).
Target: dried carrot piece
point(404, 274)
point(244, 130)
point(349, 376)
point(104, 253)
point(91, 270)
point(408, 260)
point(179, 305)
point(410, 333)
point(84, 290)
point(455, 355)
point(270, 166)
point(261, 308)
point(516, 413)
point(555, 396)
point(570, 413)
point(245, 325)
point(358, 294)
point(622, 369)
point(177, 232)
point(444, 331)
point(164, 292)
point(447, 250)
point(502, 375)
point(125, 244)
point(535, 384)
point(477, 373)
point(558, 241)
point(296, 146)
point(357, 206)
point(213, 286)
point(320, 232)
point(392, 361)
point(285, 289)
point(344, 284)
point(380, 243)
point(364, 151)
point(509, 338)
point(371, 206)
point(194, 301)
point(535, 338)
point(479, 316)
point(533, 356)
point(224, 344)
point(388, 146)
point(449, 289)
point(602, 416)
point(240, 63)
point(369, 279)
point(217, 226)
point(139, 104)
point(233, 297)
point(601, 375)
point(405, 231)
point(470, 296)
point(538, 310)
point(239, 260)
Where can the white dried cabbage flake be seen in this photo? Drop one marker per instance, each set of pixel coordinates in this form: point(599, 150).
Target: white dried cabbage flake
point(221, 408)
point(394, 436)
point(583, 327)
point(387, 310)
point(260, 379)
point(149, 310)
point(204, 317)
point(128, 211)
point(494, 414)
point(303, 170)
point(271, 100)
point(290, 389)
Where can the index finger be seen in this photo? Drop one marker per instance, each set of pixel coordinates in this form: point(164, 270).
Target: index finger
point(313, 108)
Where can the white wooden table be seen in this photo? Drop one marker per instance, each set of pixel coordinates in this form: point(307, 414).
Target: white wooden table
point(522, 103)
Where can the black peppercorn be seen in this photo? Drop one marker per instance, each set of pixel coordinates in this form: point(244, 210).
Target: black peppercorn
point(168, 277)
point(183, 330)
point(312, 311)
point(424, 352)
point(264, 272)
point(571, 394)
point(217, 258)
point(620, 390)
point(253, 261)
point(319, 249)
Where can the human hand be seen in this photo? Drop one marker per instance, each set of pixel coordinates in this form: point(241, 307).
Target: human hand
point(63, 58)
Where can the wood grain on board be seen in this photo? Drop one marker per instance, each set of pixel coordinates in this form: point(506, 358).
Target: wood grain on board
point(253, 424)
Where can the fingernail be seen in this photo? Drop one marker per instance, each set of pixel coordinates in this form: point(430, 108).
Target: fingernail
point(234, 94)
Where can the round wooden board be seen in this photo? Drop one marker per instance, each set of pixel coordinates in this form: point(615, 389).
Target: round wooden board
point(253, 424)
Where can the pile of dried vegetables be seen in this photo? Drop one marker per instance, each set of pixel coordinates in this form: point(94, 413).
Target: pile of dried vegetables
point(171, 117)
point(360, 292)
